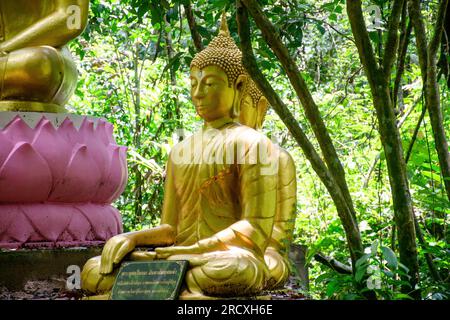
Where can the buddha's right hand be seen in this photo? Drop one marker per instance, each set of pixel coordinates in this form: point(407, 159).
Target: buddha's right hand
point(115, 250)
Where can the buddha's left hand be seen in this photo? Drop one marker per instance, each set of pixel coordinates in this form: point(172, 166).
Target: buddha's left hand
point(115, 250)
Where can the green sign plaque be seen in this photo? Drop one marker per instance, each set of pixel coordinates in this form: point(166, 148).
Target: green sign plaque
point(150, 280)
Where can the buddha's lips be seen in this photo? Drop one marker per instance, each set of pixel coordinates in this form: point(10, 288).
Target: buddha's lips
point(202, 109)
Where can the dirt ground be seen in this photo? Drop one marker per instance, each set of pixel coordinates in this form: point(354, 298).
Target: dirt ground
point(41, 290)
point(54, 289)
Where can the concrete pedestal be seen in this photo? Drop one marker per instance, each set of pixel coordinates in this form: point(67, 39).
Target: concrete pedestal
point(17, 267)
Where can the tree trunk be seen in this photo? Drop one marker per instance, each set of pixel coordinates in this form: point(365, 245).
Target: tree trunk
point(324, 173)
point(193, 27)
point(137, 134)
point(312, 112)
point(403, 210)
point(443, 63)
point(427, 58)
point(379, 79)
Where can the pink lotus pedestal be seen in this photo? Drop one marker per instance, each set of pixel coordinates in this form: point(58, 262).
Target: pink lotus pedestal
point(59, 174)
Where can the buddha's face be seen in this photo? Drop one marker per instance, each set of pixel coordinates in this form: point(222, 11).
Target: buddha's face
point(212, 96)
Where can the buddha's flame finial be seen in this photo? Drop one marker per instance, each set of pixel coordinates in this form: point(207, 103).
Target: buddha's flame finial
point(224, 31)
point(223, 52)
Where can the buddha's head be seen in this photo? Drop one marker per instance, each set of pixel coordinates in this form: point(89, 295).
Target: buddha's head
point(218, 78)
point(253, 107)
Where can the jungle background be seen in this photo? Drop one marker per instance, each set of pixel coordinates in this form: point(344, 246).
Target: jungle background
point(134, 62)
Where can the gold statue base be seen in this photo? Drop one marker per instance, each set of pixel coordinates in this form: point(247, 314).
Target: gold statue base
point(31, 106)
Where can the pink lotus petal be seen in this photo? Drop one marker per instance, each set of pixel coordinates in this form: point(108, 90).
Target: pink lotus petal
point(18, 130)
point(118, 219)
point(69, 133)
point(111, 186)
point(48, 221)
point(8, 214)
point(80, 180)
point(79, 226)
point(119, 173)
point(70, 165)
point(100, 154)
point(5, 147)
point(53, 149)
point(24, 176)
point(102, 132)
point(20, 229)
point(99, 219)
point(86, 130)
point(37, 225)
point(110, 132)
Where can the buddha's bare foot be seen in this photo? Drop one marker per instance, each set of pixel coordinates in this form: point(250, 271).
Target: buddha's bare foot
point(105, 296)
point(142, 256)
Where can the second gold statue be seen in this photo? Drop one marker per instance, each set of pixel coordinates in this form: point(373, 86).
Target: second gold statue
point(37, 72)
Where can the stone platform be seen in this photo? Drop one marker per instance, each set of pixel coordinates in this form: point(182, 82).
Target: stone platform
point(41, 274)
point(17, 267)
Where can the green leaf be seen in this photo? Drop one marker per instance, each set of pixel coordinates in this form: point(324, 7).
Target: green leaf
point(332, 287)
point(362, 260)
point(374, 247)
point(402, 296)
point(432, 175)
point(350, 296)
point(373, 35)
point(328, 6)
point(322, 277)
point(320, 28)
point(360, 272)
point(172, 63)
point(204, 32)
point(388, 273)
point(219, 3)
point(390, 257)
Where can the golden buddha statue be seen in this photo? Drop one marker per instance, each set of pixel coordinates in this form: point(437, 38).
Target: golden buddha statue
point(220, 199)
point(252, 113)
point(37, 72)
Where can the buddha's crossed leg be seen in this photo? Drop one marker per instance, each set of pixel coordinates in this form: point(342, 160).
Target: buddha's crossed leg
point(230, 273)
point(43, 74)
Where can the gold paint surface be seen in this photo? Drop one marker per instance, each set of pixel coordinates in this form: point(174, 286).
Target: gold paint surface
point(227, 210)
point(31, 106)
point(35, 63)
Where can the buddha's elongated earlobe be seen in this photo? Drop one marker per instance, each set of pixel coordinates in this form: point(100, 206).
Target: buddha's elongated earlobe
point(261, 108)
point(239, 89)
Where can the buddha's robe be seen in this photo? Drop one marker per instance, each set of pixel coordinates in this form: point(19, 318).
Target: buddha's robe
point(276, 255)
point(221, 193)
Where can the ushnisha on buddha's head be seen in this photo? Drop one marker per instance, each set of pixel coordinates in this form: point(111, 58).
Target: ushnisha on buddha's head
point(218, 78)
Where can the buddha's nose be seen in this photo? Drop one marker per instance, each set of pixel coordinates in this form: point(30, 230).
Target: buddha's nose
point(198, 92)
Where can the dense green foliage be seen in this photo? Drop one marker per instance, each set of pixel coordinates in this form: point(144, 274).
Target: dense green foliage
point(134, 64)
